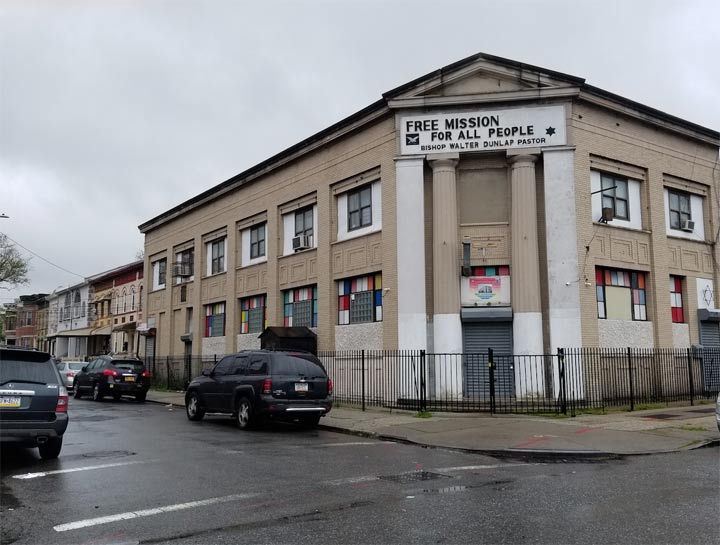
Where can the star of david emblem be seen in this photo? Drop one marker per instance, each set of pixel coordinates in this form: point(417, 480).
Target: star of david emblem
point(550, 131)
point(708, 296)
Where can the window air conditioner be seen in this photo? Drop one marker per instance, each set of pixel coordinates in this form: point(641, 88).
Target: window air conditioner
point(688, 225)
point(182, 270)
point(301, 242)
point(608, 214)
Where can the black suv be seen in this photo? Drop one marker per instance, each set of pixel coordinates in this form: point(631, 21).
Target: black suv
point(33, 401)
point(257, 384)
point(115, 377)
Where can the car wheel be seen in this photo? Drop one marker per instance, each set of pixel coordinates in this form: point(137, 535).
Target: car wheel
point(116, 397)
point(140, 398)
point(192, 407)
point(50, 449)
point(96, 393)
point(76, 393)
point(310, 420)
point(245, 417)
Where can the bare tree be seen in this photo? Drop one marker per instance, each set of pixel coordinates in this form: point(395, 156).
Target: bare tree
point(140, 254)
point(14, 267)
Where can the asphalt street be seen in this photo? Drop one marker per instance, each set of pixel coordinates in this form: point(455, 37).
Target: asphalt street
point(142, 473)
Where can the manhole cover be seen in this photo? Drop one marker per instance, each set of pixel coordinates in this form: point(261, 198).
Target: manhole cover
point(412, 477)
point(109, 454)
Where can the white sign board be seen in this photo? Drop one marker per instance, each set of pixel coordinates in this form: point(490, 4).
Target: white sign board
point(483, 130)
point(485, 291)
point(705, 293)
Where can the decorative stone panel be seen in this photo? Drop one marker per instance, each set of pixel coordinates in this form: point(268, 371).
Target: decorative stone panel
point(622, 250)
point(212, 346)
point(624, 333)
point(681, 335)
point(359, 336)
point(248, 341)
point(690, 260)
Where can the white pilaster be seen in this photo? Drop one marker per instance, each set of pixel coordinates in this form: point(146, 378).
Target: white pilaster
point(564, 282)
point(411, 288)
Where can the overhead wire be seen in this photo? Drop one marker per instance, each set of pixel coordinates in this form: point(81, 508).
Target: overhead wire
point(41, 257)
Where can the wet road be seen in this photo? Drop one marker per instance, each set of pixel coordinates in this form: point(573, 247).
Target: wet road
point(142, 473)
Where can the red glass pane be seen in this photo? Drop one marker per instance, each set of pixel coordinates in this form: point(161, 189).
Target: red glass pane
point(505, 271)
point(641, 280)
point(599, 277)
point(678, 284)
point(479, 271)
point(608, 278)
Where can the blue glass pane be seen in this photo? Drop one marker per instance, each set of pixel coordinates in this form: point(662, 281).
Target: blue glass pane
point(642, 297)
point(490, 271)
point(378, 298)
point(600, 293)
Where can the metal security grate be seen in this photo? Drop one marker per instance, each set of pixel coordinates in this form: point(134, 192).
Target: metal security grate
point(403, 478)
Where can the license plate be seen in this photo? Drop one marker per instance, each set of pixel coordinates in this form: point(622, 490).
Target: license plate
point(129, 379)
point(9, 401)
point(301, 387)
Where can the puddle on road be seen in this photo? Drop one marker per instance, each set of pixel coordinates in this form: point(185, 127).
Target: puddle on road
point(109, 454)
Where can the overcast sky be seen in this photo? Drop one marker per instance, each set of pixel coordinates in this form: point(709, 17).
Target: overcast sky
point(112, 112)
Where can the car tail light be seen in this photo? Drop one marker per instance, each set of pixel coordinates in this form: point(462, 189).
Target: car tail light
point(330, 387)
point(110, 373)
point(62, 403)
point(267, 386)
point(146, 373)
point(69, 374)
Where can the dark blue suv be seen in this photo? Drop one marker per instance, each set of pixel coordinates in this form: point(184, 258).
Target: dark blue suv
point(259, 384)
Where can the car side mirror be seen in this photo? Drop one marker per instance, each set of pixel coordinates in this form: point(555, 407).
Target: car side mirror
point(84, 369)
point(207, 372)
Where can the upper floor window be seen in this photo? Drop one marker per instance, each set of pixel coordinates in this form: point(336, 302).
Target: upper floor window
point(359, 207)
point(299, 229)
point(615, 195)
point(676, 302)
point(257, 241)
point(216, 253)
point(184, 266)
point(680, 210)
point(360, 299)
point(620, 294)
point(301, 308)
point(159, 273)
point(252, 314)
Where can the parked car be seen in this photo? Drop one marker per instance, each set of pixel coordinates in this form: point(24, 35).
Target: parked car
point(68, 370)
point(261, 384)
point(33, 401)
point(116, 377)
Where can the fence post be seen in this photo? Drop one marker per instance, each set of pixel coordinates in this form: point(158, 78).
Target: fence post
point(167, 370)
point(362, 373)
point(563, 387)
point(491, 368)
point(690, 377)
point(630, 372)
point(423, 393)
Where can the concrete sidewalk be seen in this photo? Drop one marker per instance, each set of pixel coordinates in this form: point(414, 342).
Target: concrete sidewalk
point(669, 429)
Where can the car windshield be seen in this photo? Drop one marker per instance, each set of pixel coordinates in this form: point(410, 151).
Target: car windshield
point(135, 366)
point(76, 365)
point(297, 365)
point(26, 369)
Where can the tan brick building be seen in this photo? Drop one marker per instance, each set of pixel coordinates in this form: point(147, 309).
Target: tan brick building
point(487, 204)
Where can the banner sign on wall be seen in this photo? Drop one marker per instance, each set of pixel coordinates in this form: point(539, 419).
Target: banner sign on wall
point(483, 130)
point(486, 291)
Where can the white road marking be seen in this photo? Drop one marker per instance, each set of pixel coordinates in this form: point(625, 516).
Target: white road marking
point(74, 469)
point(353, 444)
point(472, 468)
point(353, 480)
point(148, 512)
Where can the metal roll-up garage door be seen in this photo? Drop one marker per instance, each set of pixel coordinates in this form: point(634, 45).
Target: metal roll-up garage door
point(710, 334)
point(483, 329)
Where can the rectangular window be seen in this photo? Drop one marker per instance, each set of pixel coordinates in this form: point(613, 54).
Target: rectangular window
point(257, 241)
point(304, 224)
point(217, 256)
point(615, 195)
point(159, 274)
point(185, 267)
point(680, 212)
point(215, 320)
point(252, 314)
point(620, 294)
point(301, 307)
point(676, 300)
point(359, 207)
point(360, 299)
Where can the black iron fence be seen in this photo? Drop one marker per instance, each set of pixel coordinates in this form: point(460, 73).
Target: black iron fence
point(566, 382)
